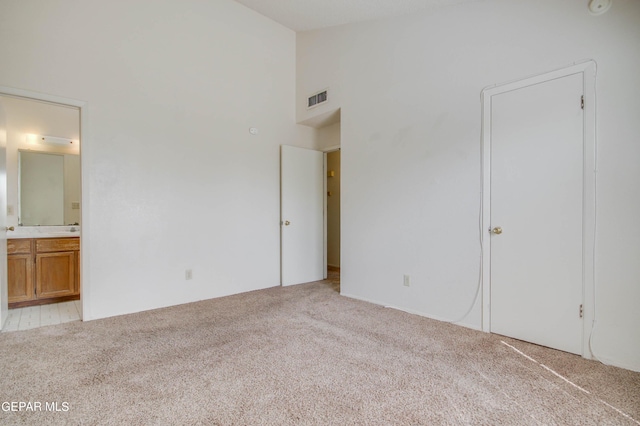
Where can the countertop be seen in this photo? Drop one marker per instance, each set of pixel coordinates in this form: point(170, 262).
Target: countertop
point(44, 232)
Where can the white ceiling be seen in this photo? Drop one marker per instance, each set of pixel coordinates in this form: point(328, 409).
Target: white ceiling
point(303, 15)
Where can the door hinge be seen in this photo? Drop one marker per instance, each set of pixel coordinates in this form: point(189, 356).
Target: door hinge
point(581, 311)
point(582, 101)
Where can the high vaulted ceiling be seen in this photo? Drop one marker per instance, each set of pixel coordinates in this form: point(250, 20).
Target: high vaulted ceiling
point(303, 15)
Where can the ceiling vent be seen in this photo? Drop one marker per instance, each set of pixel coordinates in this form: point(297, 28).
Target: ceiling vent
point(317, 99)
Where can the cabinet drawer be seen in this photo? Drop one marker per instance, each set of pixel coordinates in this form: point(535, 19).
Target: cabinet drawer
point(57, 244)
point(19, 246)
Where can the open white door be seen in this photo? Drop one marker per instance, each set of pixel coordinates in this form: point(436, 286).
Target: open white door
point(302, 215)
point(4, 295)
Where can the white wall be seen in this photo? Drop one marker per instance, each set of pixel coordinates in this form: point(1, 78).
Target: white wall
point(328, 136)
point(409, 92)
point(175, 180)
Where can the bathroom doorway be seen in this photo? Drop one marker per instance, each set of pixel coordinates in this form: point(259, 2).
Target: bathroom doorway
point(40, 281)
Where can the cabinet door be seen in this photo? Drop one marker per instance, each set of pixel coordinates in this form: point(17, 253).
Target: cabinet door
point(20, 277)
point(55, 274)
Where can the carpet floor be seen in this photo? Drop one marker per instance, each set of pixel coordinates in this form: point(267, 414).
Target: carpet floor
point(299, 355)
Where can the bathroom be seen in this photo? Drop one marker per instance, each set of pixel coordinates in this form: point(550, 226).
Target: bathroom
point(43, 222)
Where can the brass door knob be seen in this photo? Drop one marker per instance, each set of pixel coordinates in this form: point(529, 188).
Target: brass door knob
point(9, 228)
point(287, 223)
point(496, 230)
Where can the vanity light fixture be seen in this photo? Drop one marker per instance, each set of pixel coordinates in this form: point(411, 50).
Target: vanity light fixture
point(54, 140)
point(49, 140)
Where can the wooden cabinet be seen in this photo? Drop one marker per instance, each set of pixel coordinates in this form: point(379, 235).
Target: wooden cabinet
point(43, 270)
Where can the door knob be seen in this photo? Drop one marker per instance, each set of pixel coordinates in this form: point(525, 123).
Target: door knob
point(9, 228)
point(287, 223)
point(496, 230)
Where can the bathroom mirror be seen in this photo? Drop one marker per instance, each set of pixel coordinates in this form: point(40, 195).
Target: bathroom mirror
point(48, 189)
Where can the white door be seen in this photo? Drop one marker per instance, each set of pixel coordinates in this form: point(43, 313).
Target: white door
point(4, 296)
point(537, 202)
point(302, 215)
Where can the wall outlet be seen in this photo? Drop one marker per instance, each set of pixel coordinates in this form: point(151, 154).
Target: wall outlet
point(188, 274)
point(407, 281)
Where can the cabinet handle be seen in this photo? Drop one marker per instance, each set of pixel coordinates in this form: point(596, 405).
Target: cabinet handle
point(9, 228)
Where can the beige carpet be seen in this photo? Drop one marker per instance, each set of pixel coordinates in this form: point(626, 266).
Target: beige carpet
point(300, 355)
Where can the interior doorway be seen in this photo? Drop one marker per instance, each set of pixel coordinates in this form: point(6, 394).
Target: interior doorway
point(333, 209)
point(301, 252)
point(332, 216)
point(41, 271)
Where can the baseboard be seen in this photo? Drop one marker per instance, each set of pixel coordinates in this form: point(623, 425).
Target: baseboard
point(411, 311)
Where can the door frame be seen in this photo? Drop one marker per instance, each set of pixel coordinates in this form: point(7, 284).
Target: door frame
point(589, 71)
point(85, 282)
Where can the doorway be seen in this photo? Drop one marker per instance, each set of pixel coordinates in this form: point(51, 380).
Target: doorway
point(329, 141)
point(41, 128)
point(333, 209)
point(332, 203)
point(538, 208)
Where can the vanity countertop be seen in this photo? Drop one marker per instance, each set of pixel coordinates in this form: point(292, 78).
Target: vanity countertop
point(44, 232)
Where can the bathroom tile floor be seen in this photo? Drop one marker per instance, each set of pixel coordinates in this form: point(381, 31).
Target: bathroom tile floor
point(38, 316)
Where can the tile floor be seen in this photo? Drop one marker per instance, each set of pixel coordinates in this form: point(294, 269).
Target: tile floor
point(38, 316)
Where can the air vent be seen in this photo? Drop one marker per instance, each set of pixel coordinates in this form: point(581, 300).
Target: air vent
point(317, 99)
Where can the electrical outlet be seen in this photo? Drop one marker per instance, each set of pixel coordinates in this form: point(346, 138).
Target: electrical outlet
point(407, 280)
point(188, 274)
